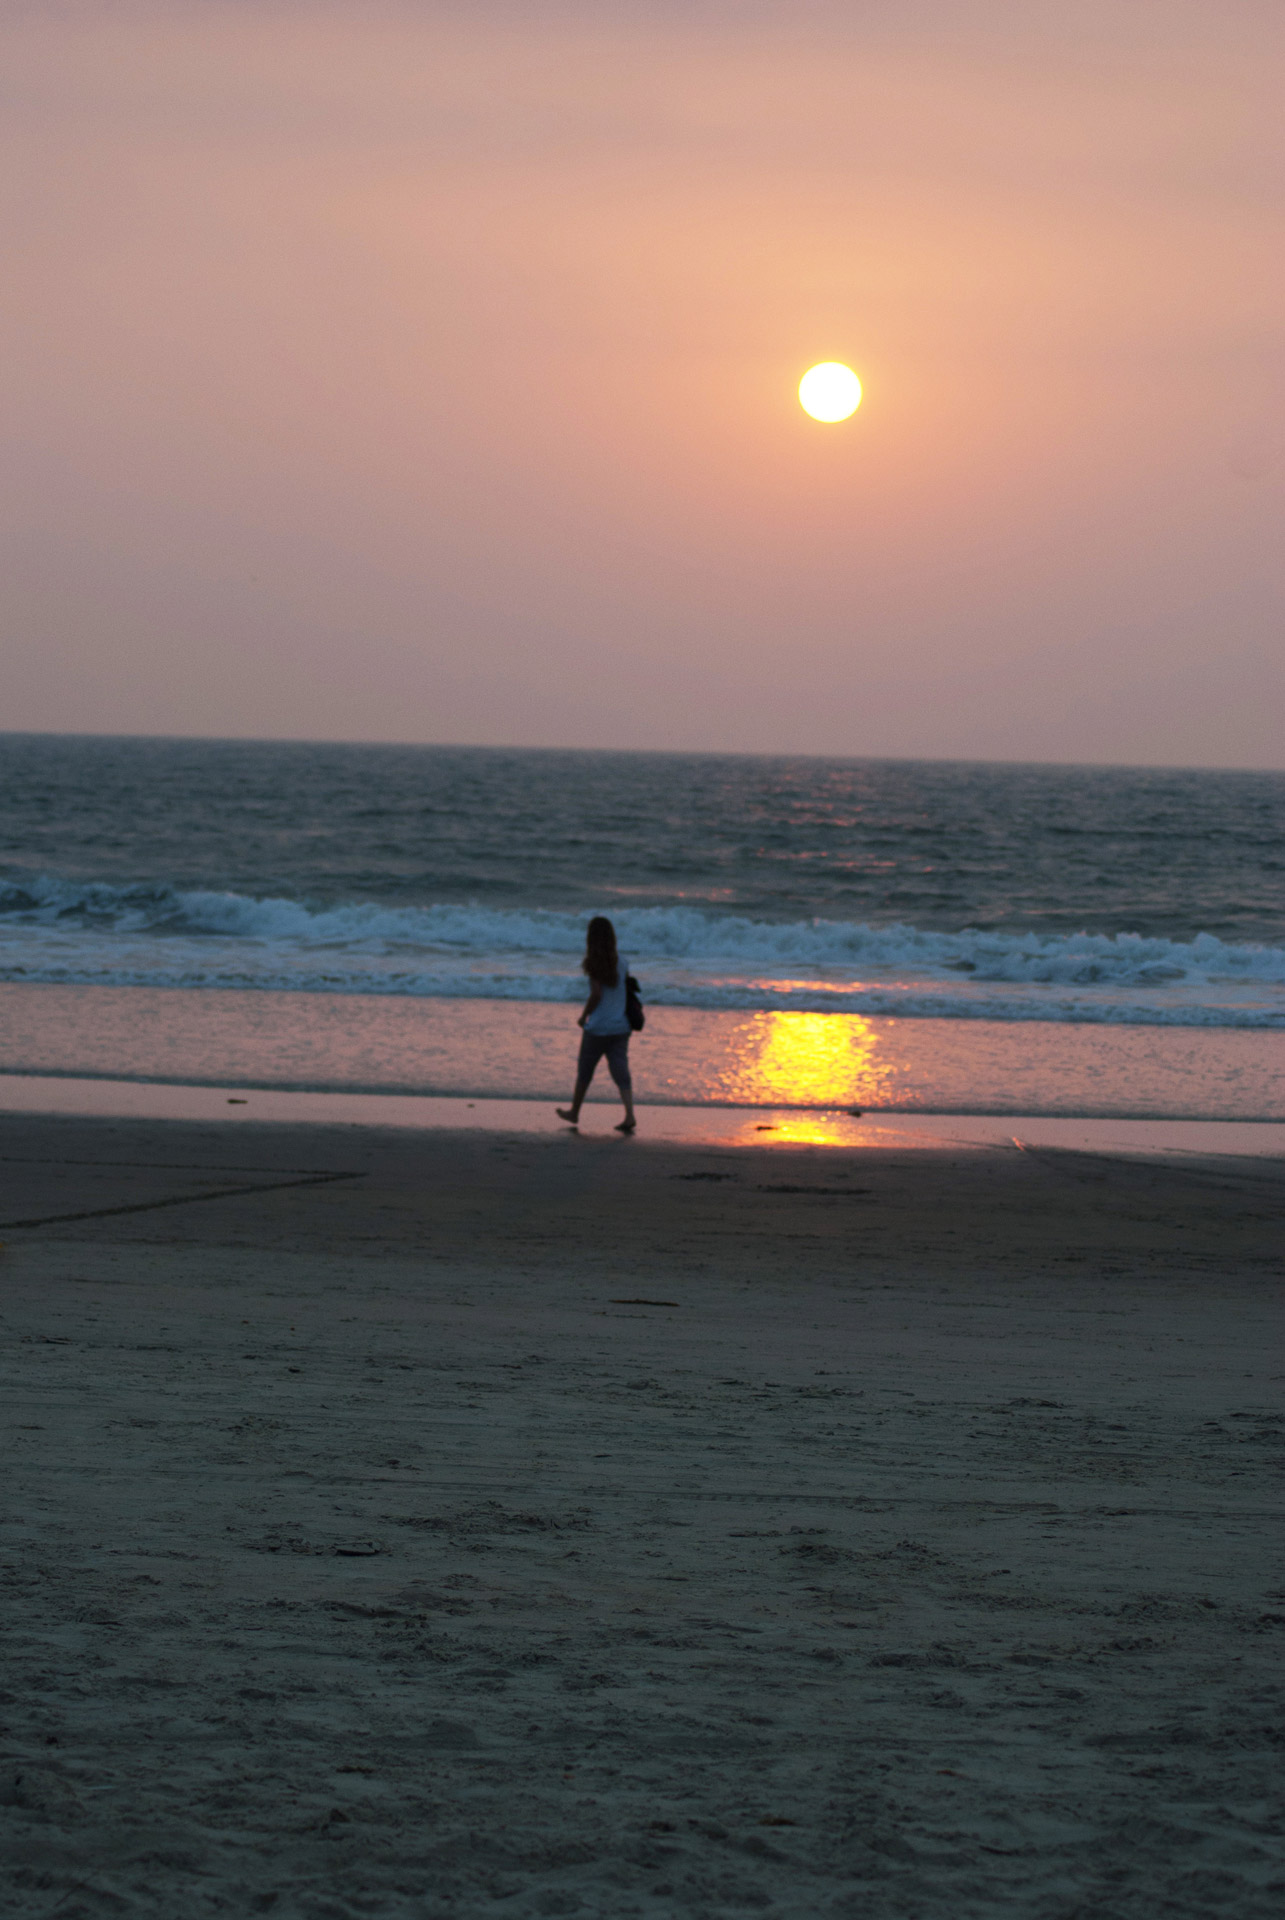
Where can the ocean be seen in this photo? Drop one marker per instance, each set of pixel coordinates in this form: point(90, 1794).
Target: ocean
point(188, 907)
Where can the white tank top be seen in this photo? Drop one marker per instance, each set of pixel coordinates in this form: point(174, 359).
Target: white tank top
point(609, 1015)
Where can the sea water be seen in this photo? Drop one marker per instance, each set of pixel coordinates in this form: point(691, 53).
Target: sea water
point(805, 929)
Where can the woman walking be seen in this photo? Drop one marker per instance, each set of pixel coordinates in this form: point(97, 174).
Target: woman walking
point(605, 1023)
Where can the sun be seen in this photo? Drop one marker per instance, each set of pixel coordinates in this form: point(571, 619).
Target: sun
point(830, 391)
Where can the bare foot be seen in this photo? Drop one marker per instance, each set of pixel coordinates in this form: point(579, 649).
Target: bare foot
point(565, 1113)
point(626, 1126)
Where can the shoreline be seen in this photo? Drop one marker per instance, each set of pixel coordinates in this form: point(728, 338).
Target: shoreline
point(399, 1047)
point(230, 1104)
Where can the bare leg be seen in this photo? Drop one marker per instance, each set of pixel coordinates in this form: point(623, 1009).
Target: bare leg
point(625, 1089)
point(571, 1114)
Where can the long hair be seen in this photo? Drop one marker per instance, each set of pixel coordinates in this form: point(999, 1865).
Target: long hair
point(601, 961)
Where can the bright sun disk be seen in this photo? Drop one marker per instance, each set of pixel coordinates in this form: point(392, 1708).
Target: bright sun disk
point(830, 391)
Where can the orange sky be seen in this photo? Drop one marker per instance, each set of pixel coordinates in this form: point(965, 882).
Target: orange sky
point(427, 372)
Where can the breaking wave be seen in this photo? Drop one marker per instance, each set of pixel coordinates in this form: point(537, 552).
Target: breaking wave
point(54, 930)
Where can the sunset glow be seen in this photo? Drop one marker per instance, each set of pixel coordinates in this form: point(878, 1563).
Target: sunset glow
point(494, 337)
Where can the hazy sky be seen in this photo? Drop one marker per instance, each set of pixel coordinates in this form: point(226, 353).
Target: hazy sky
point(427, 372)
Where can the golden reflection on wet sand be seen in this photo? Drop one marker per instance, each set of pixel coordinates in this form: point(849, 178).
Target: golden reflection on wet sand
point(785, 1129)
point(803, 1060)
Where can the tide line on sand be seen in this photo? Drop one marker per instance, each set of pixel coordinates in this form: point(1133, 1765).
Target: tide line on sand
point(711, 1126)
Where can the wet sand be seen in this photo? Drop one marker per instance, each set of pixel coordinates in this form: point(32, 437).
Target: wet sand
point(401, 1045)
point(453, 1523)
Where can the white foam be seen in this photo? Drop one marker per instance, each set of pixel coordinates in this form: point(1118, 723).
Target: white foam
point(54, 930)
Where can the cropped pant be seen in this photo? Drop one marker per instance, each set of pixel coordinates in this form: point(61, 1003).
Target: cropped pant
point(616, 1048)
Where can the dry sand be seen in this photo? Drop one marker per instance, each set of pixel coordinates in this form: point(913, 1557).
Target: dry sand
point(540, 1526)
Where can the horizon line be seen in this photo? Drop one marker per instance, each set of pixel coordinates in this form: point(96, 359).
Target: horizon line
point(672, 753)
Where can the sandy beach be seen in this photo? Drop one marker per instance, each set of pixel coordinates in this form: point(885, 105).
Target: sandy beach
point(404, 1524)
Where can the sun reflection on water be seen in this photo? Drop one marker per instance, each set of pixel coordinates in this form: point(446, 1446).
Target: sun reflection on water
point(803, 1060)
